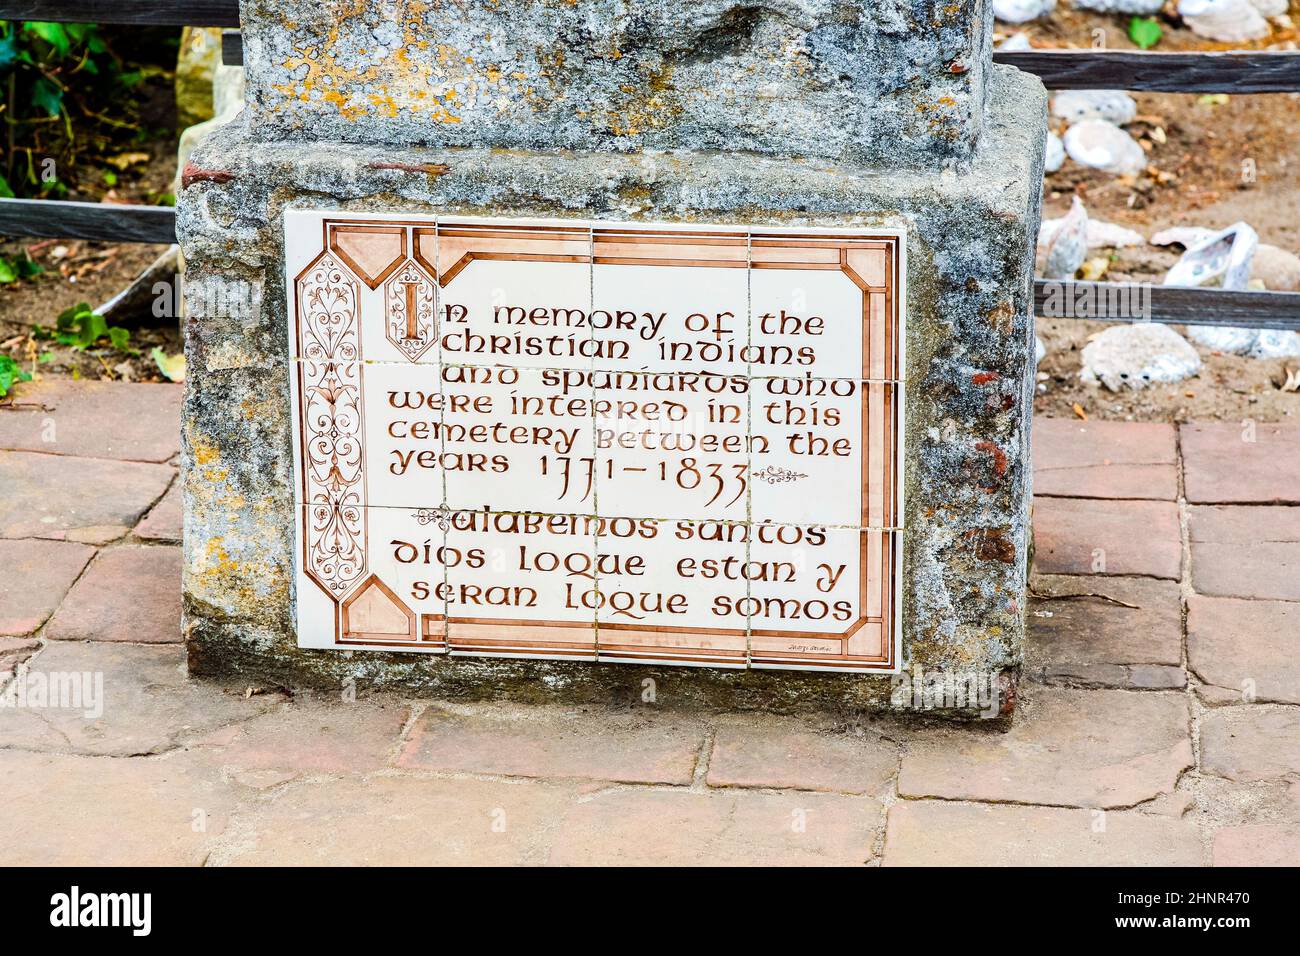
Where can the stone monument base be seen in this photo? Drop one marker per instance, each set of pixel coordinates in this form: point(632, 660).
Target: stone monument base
point(968, 378)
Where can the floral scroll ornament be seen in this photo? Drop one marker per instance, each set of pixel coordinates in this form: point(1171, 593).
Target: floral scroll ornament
point(776, 475)
point(330, 373)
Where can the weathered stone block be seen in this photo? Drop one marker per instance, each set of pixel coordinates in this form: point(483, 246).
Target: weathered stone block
point(891, 83)
point(968, 378)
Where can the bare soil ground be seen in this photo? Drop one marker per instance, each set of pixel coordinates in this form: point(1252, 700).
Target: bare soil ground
point(1198, 149)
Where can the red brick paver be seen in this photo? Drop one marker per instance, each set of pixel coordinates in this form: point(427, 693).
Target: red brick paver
point(936, 833)
point(1247, 552)
point(37, 574)
point(163, 522)
point(94, 420)
point(1081, 536)
point(1076, 459)
point(75, 499)
point(1111, 632)
point(546, 742)
point(1233, 463)
point(1096, 769)
point(1249, 647)
point(130, 593)
point(758, 755)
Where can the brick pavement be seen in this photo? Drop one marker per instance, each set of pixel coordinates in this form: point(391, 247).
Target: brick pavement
point(1158, 722)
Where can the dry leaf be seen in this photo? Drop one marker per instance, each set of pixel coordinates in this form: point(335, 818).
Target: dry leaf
point(125, 161)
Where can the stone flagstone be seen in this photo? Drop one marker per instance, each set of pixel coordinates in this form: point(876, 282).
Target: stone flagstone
point(638, 827)
point(311, 736)
point(1098, 748)
point(37, 574)
point(1221, 466)
point(761, 755)
point(1075, 459)
point(393, 820)
point(163, 522)
point(1251, 742)
point(555, 742)
point(129, 422)
point(1257, 845)
point(105, 811)
point(1247, 647)
point(148, 705)
point(1090, 640)
point(1080, 536)
point(1247, 552)
point(128, 594)
point(938, 833)
point(78, 499)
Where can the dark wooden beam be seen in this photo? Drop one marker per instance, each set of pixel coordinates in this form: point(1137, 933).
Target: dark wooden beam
point(1160, 72)
point(155, 13)
point(1112, 302)
point(54, 219)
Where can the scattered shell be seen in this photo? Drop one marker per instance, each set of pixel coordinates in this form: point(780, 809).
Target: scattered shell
point(1067, 248)
point(1114, 106)
point(1277, 269)
point(1227, 21)
point(1040, 350)
point(1101, 235)
point(1055, 157)
point(1252, 343)
point(1022, 11)
point(1105, 146)
point(1185, 236)
point(1223, 258)
point(1270, 8)
point(1016, 43)
point(1135, 356)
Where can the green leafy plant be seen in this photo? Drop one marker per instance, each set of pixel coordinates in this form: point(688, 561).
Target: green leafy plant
point(81, 327)
point(11, 270)
point(10, 374)
point(1145, 32)
point(51, 74)
point(171, 366)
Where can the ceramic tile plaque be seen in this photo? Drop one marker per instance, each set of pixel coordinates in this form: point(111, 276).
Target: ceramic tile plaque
point(594, 441)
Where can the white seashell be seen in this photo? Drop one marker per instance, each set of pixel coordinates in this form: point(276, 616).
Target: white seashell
point(1105, 146)
point(1186, 236)
point(1135, 356)
point(1022, 11)
point(1270, 8)
point(1016, 42)
point(1227, 21)
point(1114, 106)
point(1040, 350)
point(1055, 157)
point(1223, 258)
point(1101, 235)
point(1068, 247)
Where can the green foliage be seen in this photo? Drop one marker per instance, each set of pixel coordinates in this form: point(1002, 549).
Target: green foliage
point(1145, 32)
point(82, 327)
point(10, 373)
point(172, 366)
point(11, 270)
point(51, 74)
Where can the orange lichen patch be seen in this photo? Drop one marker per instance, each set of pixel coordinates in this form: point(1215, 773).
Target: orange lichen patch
point(651, 105)
point(397, 82)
